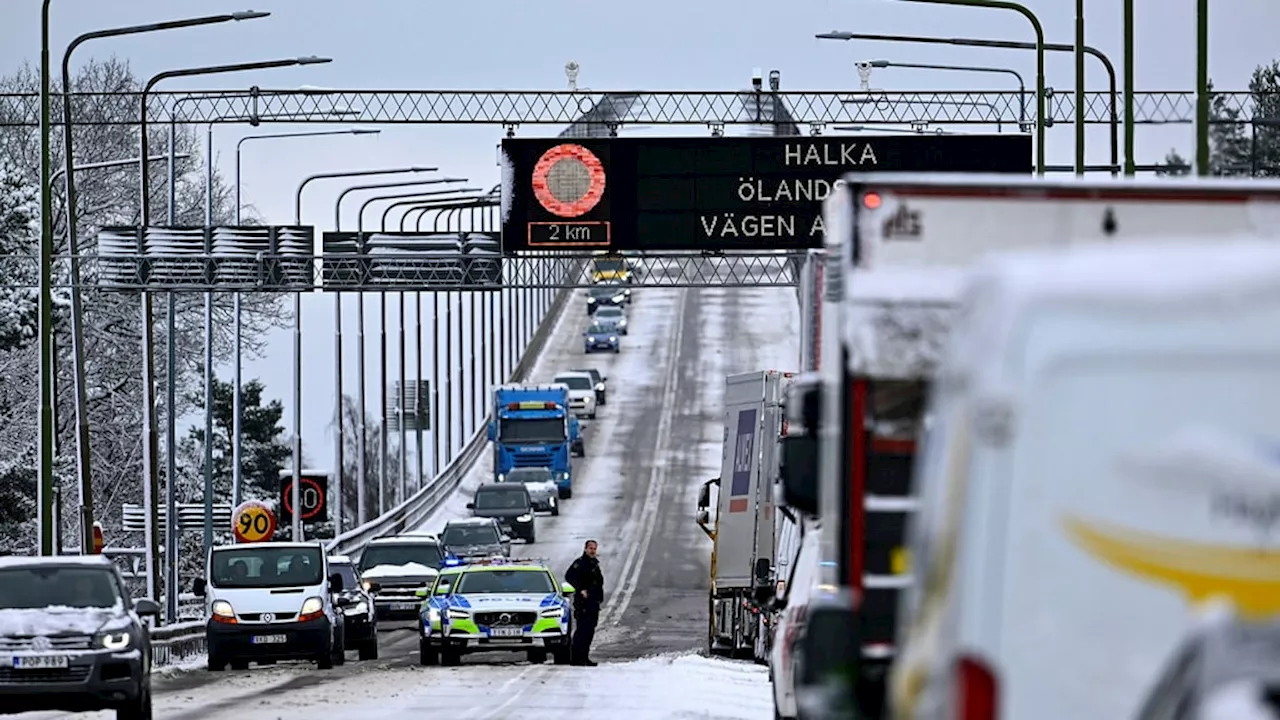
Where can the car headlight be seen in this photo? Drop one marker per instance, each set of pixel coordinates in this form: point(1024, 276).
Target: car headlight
point(359, 608)
point(552, 612)
point(619, 298)
point(433, 615)
point(524, 518)
point(367, 585)
point(457, 614)
point(591, 301)
point(599, 387)
point(222, 609)
point(114, 640)
point(311, 606)
point(613, 338)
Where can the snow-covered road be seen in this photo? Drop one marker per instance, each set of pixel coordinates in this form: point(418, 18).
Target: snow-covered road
point(657, 439)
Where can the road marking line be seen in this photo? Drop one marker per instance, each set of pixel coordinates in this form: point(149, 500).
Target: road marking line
point(648, 516)
point(486, 714)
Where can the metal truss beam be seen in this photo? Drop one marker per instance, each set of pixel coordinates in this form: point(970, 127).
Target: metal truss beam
point(508, 107)
point(267, 274)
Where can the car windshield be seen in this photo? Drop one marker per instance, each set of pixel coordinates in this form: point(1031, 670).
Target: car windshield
point(601, 328)
point(417, 553)
point(542, 430)
point(502, 499)
point(604, 291)
point(465, 535)
point(35, 587)
point(611, 265)
point(595, 374)
point(612, 313)
point(575, 382)
point(348, 573)
point(505, 581)
point(524, 475)
point(264, 566)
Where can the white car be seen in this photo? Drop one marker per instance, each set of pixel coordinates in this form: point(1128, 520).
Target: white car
point(541, 484)
point(612, 314)
point(582, 392)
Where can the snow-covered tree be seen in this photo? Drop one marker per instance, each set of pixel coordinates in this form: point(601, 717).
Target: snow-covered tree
point(19, 231)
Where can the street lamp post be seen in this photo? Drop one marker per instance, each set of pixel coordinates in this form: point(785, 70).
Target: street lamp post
point(297, 352)
point(45, 300)
point(1022, 85)
point(150, 451)
point(383, 474)
point(1014, 45)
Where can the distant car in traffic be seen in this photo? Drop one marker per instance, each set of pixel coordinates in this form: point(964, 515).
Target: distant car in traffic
point(510, 505)
point(543, 489)
point(70, 638)
point(582, 392)
point(614, 315)
point(600, 336)
point(359, 619)
point(602, 390)
point(606, 294)
point(475, 538)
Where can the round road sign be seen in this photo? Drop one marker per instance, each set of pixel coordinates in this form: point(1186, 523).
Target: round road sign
point(253, 522)
point(312, 498)
point(568, 180)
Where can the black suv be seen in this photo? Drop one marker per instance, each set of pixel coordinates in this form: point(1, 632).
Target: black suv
point(359, 619)
point(71, 640)
point(602, 391)
point(510, 505)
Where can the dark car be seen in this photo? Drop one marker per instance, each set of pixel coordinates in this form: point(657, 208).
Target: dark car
point(510, 505)
point(602, 390)
point(70, 638)
point(396, 581)
point(360, 621)
point(607, 294)
point(475, 538)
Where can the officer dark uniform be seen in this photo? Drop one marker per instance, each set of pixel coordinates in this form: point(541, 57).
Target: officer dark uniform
point(588, 583)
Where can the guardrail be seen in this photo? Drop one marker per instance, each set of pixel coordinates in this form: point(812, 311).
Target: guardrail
point(182, 641)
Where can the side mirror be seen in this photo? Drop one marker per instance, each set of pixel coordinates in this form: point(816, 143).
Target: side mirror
point(492, 430)
point(199, 587)
point(146, 607)
point(422, 592)
point(703, 517)
point(799, 473)
point(763, 570)
point(341, 602)
point(704, 495)
point(335, 583)
point(471, 506)
point(829, 655)
point(442, 589)
point(567, 590)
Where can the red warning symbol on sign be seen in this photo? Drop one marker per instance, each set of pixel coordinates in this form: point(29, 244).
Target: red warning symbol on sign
point(568, 180)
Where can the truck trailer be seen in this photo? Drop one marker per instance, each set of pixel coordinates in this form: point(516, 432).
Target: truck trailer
point(898, 246)
point(532, 426)
point(743, 526)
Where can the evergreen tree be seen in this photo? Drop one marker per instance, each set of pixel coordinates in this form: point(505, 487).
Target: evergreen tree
point(264, 450)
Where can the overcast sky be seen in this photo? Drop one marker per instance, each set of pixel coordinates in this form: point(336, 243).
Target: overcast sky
point(659, 44)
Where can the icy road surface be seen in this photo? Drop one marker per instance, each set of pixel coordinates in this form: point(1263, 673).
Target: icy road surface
point(653, 444)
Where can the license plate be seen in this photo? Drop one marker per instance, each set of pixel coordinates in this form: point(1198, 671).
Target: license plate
point(270, 639)
point(404, 606)
point(506, 632)
point(40, 662)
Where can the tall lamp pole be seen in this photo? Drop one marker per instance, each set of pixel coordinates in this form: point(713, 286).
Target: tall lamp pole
point(296, 498)
point(45, 300)
point(1022, 85)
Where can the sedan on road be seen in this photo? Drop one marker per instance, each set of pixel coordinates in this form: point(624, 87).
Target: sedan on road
point(601, 337)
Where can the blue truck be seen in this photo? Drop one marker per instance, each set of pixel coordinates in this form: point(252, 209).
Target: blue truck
point(532, 426)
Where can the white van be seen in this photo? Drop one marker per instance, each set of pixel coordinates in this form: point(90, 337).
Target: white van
point(1103, 457)
point(272, 601)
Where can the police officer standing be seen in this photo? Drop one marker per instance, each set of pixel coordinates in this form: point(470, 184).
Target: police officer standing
point(588, 582)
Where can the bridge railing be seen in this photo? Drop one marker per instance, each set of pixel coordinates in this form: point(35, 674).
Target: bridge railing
point(184, 641)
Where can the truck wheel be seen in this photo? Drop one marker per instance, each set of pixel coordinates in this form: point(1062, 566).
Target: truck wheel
point(369, 649)
point(239, 664)
point(537, 657)
point(324, 661)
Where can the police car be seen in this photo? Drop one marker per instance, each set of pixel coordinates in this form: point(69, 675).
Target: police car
point(495, 606)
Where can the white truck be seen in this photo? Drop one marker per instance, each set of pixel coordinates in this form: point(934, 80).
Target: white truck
point(745, 525)
point(896, 244)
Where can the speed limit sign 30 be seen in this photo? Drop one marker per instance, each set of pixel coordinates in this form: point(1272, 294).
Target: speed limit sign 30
point(253, 522)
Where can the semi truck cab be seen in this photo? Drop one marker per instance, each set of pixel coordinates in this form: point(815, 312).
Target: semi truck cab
point(534, 427)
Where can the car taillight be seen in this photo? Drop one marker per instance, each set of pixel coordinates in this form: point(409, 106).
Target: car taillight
point(975, 690)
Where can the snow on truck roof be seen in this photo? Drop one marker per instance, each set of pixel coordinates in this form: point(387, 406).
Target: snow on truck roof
point(1225, 275)
point(18, 561)
point(1068, 187)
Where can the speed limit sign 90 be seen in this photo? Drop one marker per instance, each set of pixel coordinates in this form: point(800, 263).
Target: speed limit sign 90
point(253, 522)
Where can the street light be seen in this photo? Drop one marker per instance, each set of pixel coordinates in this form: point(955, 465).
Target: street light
point(297, 350)
point(1022, 85)
point(151, 450)
point(238, 409)
point(45, 311)
point(362, 480)
point(1015, 45)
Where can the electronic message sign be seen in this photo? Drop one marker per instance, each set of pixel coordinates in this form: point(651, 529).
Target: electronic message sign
point(710, 193)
